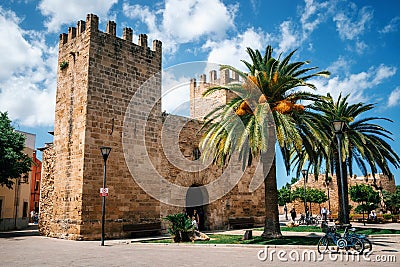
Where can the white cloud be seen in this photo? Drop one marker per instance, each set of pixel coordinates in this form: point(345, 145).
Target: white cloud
point(360, 47)
point(183, 21)
point(394, 98)
point(18, 54)
point(231, 51)
point(255, 6)
point(142, 13)
point(393, 26)
point(355, 84)
point(383, 72)
point(152, 18)
point(176, 91)
point(60, 12)
point(293, 34)
point(26, 102)
point(289, 39)
point(313, 14)
point(189, 19)
point(350, 28)
point(340, 66)
point(28, 83)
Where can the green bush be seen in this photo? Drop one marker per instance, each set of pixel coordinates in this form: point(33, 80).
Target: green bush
point(387, 217)
point(180, 227)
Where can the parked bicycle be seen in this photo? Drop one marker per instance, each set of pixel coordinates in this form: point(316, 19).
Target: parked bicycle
point(308, 220)
point(352, 233)
point(332, 241)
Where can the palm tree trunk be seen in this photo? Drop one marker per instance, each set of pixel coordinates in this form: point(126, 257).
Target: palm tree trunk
point(363, 212)
point(271, 226)
point(346, 193)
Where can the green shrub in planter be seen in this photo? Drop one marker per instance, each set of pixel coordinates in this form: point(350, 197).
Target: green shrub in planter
point(387, 217)
point(180, 227)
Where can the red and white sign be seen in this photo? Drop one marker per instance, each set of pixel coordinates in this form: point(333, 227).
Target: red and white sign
point(104, 192)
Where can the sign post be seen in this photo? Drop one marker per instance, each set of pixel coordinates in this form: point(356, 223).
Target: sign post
point(105, 151)
point(104, 192)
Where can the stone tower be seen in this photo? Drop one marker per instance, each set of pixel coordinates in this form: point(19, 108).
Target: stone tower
point(200, 106)
point(98, 75)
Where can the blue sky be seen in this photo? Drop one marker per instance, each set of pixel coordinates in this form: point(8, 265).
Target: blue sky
point(357, 41)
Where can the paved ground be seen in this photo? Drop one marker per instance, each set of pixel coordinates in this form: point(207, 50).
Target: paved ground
point(27, 248)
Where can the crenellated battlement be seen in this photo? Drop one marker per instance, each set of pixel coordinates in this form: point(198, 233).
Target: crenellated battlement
point(225, 78)
point(91, 25)
point(199, 106)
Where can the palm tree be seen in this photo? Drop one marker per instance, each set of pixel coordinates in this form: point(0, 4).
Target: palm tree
point(363, 142)
point(264, 110)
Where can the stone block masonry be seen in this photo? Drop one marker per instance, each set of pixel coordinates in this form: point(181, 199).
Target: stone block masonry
point(46, 222)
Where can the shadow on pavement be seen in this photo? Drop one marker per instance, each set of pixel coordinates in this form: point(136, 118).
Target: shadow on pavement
point(30, 231)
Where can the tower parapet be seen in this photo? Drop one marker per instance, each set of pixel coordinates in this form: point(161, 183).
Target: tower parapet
point(111, 28)
point(127, 34)
point(91, 25)
point(142, 40)
point(81, 25)
point(92, 22)
point(199, 106)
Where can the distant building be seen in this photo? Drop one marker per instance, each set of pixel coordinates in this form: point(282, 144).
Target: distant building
point(35, 184)
point(15, 204)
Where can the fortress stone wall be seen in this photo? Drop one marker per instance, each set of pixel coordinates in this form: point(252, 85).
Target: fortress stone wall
point(104, 84)
point(382, 182)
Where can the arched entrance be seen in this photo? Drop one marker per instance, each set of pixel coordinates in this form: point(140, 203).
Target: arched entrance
point(197, 199)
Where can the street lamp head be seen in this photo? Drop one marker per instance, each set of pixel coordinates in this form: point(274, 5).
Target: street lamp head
point(105, 151)
point(338, 125)
point(304, 172)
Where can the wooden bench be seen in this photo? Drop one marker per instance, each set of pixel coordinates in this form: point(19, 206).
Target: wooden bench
point(378, 219)
point(142, 228)
point(332, 217)
point(359, 218)
point(238, 223)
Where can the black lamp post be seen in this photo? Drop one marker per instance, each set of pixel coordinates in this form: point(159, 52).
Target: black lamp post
point(305, 176)
point(327, 183)
point(105, 151)
point(338, 126)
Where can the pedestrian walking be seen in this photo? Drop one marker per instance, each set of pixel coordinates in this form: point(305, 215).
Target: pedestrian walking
point(324, 213)
point(285, 210)
point(293, 214)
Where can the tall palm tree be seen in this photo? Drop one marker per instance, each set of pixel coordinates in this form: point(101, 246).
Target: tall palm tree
point(263, 111)
point(363, 143)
